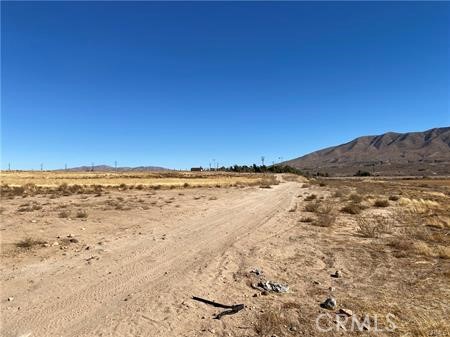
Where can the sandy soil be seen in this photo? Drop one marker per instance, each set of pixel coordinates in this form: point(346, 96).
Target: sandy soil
point(133, 271)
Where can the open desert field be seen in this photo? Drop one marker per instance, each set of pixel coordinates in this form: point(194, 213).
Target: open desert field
point(163, 179)
point(121, 261)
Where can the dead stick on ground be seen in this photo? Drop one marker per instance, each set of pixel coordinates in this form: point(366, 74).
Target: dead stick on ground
point(233, 308)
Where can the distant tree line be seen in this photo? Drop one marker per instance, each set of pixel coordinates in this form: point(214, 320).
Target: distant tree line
point(260, 169)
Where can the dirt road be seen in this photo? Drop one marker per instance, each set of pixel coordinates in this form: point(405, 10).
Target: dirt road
point(138, 285)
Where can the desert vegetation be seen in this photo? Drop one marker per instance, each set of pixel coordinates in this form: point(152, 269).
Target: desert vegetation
point(294, 231)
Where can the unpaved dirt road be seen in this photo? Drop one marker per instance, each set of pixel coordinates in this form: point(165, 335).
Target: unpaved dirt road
point(138, 285)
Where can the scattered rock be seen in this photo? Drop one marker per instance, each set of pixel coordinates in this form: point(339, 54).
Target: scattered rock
point(337, 274)
point(330, 303)
point(83, 228)
point(331, 288)
point(33, 221)
point(256, 271)
point(73, 240)
point(345, 312)
point(70, 236)
point(46, 245)
point(10, 299)
point(316, 282)
point(293, 328)
point(273, 286)
point(56, 243)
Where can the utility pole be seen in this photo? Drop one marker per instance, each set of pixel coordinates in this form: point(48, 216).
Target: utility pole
point(65, 167)
point(214, 162)
point(262, 160)
point(210, 166)
point(115, 165)
point(9, 166)
point(42, 166)
point(92, 167)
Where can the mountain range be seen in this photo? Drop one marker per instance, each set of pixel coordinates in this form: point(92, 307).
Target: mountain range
point(413, 153)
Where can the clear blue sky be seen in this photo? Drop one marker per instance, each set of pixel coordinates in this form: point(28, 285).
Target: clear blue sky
point(178, 84)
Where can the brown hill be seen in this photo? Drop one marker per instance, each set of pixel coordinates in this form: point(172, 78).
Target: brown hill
point(412, 153)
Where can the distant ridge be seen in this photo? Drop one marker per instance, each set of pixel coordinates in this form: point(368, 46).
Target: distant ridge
point(107, 168)
point(412, 153)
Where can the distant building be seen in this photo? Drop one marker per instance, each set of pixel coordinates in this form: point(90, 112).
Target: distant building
point(196, 169)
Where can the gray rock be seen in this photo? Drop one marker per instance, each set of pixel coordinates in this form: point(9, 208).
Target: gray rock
point(329, 303)
point(274, 286)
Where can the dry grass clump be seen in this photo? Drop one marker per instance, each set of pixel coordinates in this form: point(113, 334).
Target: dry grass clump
point(64, 214)
point(274, 322)
point(29, 207)
point(394, 198)
point(268, 181)
point(310, 197)
point(355, 197)
point(312, 207)
point(29, 243)
point(425, 325)
point(324, 220)
point(417, 236)
point(307, 219)
point(381, 203)
point(373, 227)
point(352, 208)
point(420, 206)
point(81, 214)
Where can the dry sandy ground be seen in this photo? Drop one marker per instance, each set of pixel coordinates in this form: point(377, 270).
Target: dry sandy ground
point(133, 271)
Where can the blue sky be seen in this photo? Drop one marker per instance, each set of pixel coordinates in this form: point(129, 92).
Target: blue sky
point(179, 84)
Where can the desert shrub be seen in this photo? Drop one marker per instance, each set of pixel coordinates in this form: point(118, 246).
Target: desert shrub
point(29, 243)
point(185, 185)
point(62, 187)
point(352, 208)
point(355, 197)
point(373, 227)
point(394, 198)
point(360, 173)
point(64, 214)
point(29, 207)
point(310, 197)
point(123, 187)
point(81, 214)
point(265, 184)
point(338, 194)
point(305, 185)
point(381, 203)
point(312, 207)
point(324, 220)
point(306, 219)
point(325, 209)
